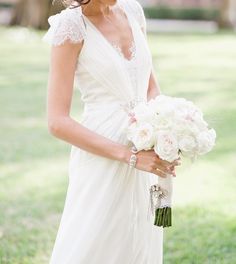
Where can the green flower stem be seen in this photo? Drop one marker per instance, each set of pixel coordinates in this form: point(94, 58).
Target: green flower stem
point(163, 217)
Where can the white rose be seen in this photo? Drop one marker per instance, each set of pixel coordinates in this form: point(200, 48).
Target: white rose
point(166, 146)
point(182, 129)
point(162, 105)
point(163, 99)
point(142, 112)
point(162, 122)
point(180, 101)
point(206, 141)
point(188, 146)
point(131, 130)
point(189, 114)
point(143, 137)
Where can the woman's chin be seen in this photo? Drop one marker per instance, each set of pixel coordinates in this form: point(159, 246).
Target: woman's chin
point(109, 2)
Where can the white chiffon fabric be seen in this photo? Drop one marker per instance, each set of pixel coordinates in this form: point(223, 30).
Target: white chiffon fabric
point(105, 217)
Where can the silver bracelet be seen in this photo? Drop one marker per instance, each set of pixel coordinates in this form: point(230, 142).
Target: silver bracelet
point(134, 150)
point(133, 157)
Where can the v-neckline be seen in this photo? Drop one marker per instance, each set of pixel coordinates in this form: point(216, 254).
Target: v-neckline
point(133, 42)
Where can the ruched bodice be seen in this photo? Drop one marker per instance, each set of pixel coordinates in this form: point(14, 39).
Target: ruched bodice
point(108, 86)
point(115, 78)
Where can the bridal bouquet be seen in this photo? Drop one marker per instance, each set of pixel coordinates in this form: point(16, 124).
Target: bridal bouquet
point(172, 127)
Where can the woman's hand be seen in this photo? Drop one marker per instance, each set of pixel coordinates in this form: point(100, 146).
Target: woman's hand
point(150, 162)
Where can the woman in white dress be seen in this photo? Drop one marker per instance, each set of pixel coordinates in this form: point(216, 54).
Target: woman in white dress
point(101, 44)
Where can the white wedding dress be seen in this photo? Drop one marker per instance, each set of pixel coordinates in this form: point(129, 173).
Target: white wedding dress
point(105, 218)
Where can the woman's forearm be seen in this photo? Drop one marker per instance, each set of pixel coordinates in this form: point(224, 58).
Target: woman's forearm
point(71, 131)
point(153, 87)
point(152, 93)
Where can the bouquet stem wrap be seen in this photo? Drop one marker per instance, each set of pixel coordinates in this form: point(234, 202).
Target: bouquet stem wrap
point(161, 200)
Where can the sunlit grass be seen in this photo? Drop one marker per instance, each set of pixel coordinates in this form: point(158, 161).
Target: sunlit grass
point(202, 68)
point(33, 165)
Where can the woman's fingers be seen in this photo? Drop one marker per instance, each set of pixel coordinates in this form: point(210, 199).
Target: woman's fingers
point(149, 161)
point(159, 173)
point(167, 170)
point(155, 164)
point(173, 171)
point(176, 162)
point(163, 162)
point(163, 166)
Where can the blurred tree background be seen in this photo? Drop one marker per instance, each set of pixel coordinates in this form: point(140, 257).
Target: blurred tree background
point(34, 13)
point(199, 66)
point(31, 13)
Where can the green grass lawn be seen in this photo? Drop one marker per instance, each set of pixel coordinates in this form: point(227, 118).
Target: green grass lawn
point(33, 164)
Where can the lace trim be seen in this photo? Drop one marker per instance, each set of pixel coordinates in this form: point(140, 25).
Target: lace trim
point(69, 24)
point(66, 25)
point(130, 64)
point(132, 50)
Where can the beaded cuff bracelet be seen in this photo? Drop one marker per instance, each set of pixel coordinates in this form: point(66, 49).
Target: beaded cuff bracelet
point(133, 157)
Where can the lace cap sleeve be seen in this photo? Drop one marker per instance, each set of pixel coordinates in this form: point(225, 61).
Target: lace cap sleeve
point(136, 9)
point(66, 25)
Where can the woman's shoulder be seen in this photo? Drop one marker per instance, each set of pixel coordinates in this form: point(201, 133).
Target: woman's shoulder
point(133, 5)
point(66, 25)
point(135, 8)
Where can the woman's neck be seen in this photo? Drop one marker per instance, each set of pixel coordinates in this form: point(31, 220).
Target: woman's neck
point(96, 8)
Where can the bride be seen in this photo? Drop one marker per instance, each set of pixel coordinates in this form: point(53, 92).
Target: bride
point(101, 45)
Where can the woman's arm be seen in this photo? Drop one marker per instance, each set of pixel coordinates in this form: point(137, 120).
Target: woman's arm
point(153, 87)
point(60, 90)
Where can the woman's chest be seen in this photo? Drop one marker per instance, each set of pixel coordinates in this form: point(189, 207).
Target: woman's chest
point(107, 64)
